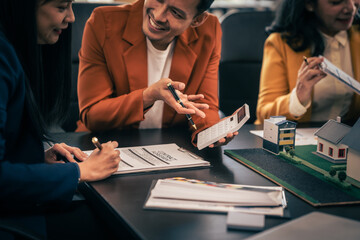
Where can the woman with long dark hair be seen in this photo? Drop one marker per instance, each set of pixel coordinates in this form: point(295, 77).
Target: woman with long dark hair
point(298, 89)
point(34, 94)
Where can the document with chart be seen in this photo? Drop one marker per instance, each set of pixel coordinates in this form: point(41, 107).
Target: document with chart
point(331, 69)
point(156, 157)
point(219, 130)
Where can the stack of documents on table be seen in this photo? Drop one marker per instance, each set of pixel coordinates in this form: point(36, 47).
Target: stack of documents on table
point(195, 195)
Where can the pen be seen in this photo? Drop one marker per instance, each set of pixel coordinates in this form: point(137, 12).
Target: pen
point(172, 90)
point(305, 60)
point(96, 143)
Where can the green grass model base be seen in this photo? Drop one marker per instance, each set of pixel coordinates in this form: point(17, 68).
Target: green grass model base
point(303, 155)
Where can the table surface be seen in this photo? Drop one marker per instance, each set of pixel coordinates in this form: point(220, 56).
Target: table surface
point(120, 198)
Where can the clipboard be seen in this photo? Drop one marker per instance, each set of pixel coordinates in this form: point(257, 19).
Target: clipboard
point(155, 158)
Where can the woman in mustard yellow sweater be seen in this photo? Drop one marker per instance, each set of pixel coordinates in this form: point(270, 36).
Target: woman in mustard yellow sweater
point(301, 91)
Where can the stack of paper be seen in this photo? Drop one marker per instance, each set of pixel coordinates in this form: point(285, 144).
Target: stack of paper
point(188, 194)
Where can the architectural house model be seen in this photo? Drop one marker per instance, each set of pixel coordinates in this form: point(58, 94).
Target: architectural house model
point(352, 140)
point(278, 133)
point(329, 144)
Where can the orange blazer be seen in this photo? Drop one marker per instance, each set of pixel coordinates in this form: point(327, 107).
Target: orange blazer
point(279, 75)
point(113, 69)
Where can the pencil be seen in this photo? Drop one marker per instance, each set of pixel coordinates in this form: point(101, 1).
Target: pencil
point(173, 92)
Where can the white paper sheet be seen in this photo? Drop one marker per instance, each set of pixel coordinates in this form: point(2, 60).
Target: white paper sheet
point(304, 136)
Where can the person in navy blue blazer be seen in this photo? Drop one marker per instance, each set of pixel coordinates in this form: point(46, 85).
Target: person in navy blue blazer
point(34, 94)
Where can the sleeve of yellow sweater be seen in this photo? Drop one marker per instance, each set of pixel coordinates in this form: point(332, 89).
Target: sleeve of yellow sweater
point(276, 80)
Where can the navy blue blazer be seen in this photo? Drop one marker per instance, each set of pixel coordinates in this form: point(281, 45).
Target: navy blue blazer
point(26, 182)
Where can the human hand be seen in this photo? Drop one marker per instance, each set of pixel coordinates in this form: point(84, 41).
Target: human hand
point(225, 140)
point(60, 151)
point(160, 91)
point(101, 163)
point(308, 75)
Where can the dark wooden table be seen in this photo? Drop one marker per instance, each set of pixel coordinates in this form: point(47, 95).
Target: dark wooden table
point(120, 199)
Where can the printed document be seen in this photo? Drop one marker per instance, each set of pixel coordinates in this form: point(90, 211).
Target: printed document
point(156, 157)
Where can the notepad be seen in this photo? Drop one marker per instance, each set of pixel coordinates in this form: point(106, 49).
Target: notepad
point(155, 158)
point(331, 69)
point(227, 125)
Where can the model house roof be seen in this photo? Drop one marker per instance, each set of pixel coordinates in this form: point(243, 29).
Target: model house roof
point(286, 124)
point(333, 131)
point(352, 139)
point(281, 122)
point(275, 119)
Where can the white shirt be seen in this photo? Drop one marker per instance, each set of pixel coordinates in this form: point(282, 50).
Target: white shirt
point(331, 97)
point(159, 64)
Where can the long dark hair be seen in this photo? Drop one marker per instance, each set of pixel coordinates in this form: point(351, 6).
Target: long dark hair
point(47, 67)
point(297, 26)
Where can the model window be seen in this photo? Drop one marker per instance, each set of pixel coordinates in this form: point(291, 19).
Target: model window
point(341, 153)
point(321, 147)
point(331, 151)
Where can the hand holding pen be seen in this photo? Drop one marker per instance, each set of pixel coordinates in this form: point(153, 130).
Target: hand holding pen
point(308, 75)
point(173, 92)
point(101, 163)
point(160, 91)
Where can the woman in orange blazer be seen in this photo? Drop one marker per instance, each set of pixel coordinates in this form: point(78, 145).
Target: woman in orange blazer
point(113, 69)
point(305, 29)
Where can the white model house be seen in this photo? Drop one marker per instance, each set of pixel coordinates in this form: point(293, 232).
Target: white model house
point(352, 140)
point(278, 133)
point(329, 141)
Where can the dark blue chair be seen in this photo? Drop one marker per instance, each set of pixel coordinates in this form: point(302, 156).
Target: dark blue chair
point(241, 58)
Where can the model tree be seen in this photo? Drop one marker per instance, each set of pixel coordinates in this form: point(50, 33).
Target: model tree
point(342, 176)
point(287, 149)
point(332, 172)
point(292, 152)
